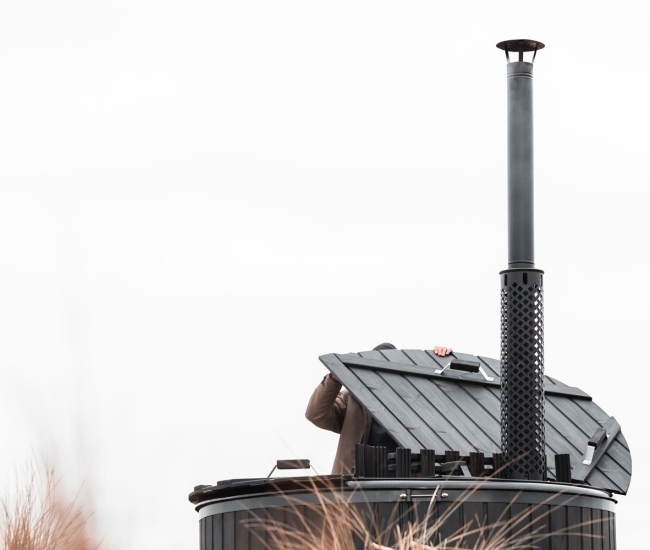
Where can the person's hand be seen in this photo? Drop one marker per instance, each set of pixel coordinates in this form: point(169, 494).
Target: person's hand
point(442, 351)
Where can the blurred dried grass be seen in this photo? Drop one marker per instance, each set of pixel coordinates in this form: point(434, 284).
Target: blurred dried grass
point(37, 515)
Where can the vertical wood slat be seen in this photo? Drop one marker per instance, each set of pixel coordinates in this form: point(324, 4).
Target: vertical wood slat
point(574, 534)
point(229, 530)
point(209, 522)
point(520, 530)
point(453, 521)
point(242, 535)
point(498, 513)
point(604, 525)
point(598, 530)
point(558, 525)
point(540, 524)
point(474, 517)
point(314, 519)
point(275, 517)
point(256, 531)
point(295, 520)
point(425, 512)
point(587, 528)
point(477, 464)
point(387, 513)
point(427, 462)
point(202, 534)
point(217, 532)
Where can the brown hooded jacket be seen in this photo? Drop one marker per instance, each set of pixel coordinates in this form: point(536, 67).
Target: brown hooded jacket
point(337, 411)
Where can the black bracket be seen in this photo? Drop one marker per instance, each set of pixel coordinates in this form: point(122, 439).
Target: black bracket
point(465, 366)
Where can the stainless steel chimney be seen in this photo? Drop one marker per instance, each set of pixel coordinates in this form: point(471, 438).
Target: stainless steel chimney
point(522, 294)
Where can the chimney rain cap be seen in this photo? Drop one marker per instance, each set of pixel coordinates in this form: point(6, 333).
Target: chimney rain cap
point(520, 46)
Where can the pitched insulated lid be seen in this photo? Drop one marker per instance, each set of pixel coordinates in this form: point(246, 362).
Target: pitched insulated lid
point(424, 405)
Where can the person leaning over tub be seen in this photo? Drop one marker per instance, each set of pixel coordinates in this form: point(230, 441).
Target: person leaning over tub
point(333, 409)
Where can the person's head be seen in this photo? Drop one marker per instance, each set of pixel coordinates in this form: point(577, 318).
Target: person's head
point(383, 346)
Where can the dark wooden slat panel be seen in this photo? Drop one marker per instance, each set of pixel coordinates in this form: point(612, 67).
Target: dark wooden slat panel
point(474, 518)
point(372, 354)
point(442, 361)
point(419, 410)
point(605, 528)
point(408, 427)
point(490, 401)
point(217, 532)
point(611, 527)
point(572, 433)
point(608, 467)
point(474, 414)
point(202, 534)
point(558, 525)
point(388, 514)
point(621, 439)
point(567, 391)
point(242, 535)
point(449, 417)
point(256, 530)
point(594, 411)
point(442, 419)
point(586, 516)
point(314, 518)
point(597, 530)
point(275, 520)
point(575, 414)
point(397, 356)
point(541, 525)
point(425, 512)
point(422, 358)
point(621, 455)
point(295, 520)
point(574, 532)
point(521, 519)
point(466, 417)
point(365, 362)
point(209, 540)
point(229, 530)
point(451, 520)
point(498, 515)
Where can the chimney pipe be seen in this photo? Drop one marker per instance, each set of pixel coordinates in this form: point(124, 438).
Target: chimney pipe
point(522, 297)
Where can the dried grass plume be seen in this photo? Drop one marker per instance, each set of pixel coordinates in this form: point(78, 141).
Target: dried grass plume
point(37, 515)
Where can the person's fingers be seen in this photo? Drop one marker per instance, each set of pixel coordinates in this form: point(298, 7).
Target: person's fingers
point(442, 351)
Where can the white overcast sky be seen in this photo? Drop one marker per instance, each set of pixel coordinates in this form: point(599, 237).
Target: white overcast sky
point(197, 199)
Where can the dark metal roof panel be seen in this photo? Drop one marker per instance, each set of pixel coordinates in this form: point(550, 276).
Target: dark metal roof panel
point(461, 411)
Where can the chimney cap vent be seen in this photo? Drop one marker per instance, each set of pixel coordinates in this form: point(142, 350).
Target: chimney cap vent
point(520, 45)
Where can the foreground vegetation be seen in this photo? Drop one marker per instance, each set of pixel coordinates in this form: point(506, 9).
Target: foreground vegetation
point(37, 515)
